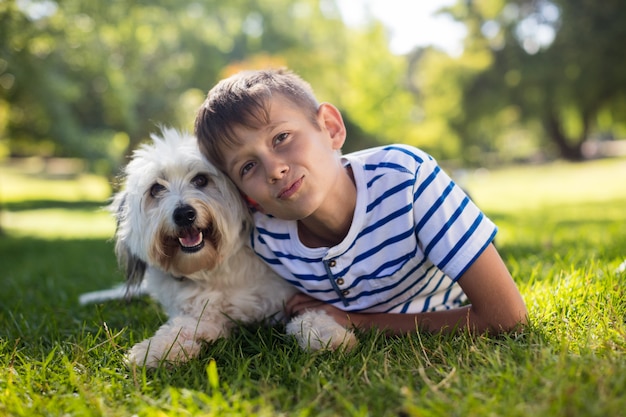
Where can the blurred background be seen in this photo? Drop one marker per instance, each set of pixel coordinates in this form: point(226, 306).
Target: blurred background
point(477, 83)
point(482, 82)
point(522, 101)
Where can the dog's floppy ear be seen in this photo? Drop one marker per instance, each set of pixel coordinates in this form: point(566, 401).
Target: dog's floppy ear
point(118, 208)
point(134, 268)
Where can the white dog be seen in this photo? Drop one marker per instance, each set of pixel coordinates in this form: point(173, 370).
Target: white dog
point(183, 227)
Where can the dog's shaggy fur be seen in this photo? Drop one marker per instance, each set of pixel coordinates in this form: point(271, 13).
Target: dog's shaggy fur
point(183, 227)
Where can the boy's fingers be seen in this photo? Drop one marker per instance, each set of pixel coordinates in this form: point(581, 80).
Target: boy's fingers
point(300, 302)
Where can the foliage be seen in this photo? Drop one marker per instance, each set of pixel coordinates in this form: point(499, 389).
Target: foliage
point(554, 71)
point(562, 237)
point(92, 80)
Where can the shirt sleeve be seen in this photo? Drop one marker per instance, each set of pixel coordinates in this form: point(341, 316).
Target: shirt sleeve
point(450, 228)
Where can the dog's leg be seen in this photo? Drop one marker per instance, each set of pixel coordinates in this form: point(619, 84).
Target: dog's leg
point(177, 341)
point(316, 330)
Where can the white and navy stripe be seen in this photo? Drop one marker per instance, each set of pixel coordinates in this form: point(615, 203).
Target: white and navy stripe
point(414, 233)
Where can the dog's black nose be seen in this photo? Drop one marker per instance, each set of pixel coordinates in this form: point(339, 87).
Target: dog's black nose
point(184, 215)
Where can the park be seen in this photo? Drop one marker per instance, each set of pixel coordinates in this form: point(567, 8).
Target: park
point(532, 131)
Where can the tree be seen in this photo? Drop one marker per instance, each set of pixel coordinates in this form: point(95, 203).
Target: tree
point(555, 64)
point(93, 79)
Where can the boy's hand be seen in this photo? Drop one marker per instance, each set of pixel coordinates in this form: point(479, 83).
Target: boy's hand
point(300, 302)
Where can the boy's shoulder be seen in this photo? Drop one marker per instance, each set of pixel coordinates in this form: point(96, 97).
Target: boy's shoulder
point(400, 154)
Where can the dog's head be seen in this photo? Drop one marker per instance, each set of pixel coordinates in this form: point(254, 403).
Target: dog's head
point(176, 211)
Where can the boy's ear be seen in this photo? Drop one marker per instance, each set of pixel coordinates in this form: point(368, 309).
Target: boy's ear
point(330, 119)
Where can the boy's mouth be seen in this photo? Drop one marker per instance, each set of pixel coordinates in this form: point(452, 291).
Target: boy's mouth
point(290, 190)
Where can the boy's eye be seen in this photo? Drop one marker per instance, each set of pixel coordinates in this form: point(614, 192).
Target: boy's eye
point(200, 181)
point(280, 137)
point(246, 168)
point(157, 189)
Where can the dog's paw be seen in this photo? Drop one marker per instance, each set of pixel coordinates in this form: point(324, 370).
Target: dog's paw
point(151, 353)
point(316, 330)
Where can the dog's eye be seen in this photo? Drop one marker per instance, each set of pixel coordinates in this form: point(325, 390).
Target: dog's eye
point(156, 189)
point(200, 180)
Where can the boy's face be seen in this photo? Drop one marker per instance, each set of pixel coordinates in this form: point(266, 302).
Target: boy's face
point(289, 166)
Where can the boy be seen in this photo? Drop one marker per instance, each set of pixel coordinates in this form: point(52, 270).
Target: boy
point(378, 238)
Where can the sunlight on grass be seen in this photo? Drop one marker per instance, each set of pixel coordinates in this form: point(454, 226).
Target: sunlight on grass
point(530, 187)
point(576, 306)
point(562, 235)
point(17, 186)
point(59, 223)
point(29, 197)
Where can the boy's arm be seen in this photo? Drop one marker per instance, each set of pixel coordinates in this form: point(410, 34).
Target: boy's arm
point(496, 305)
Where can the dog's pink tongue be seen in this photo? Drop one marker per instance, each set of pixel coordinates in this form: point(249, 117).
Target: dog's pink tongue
point(191, 239)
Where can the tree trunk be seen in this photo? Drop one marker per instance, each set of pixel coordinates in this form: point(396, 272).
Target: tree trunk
point(570, 150)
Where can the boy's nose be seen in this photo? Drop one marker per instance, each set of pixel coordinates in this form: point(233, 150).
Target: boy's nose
point(276, 171)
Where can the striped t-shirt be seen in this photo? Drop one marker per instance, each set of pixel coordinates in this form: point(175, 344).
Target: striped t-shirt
point(413, 234)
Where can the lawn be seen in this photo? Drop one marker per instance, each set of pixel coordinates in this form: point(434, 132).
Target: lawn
point(562, 234)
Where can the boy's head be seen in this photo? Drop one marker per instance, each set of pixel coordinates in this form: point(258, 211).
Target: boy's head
point(243, 100)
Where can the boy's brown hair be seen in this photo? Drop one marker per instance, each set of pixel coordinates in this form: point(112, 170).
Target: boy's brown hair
point(243, 100)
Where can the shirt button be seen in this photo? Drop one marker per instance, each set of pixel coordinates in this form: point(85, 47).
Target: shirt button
point(332, 263)
point(340, 281)
point(345, 292)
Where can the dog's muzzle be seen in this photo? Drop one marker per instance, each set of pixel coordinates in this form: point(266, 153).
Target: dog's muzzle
point(190, 238)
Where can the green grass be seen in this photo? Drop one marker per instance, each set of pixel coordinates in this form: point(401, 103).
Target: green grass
point(562, 234)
